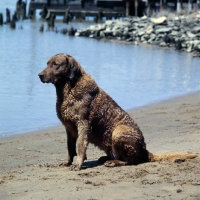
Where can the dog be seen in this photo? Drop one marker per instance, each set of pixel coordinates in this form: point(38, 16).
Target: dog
point(90, 115)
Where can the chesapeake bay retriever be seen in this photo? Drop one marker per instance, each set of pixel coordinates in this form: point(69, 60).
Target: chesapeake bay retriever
point(92, 116)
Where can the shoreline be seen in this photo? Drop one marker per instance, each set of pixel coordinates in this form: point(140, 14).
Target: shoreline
point(57, 126)
point(30, 170)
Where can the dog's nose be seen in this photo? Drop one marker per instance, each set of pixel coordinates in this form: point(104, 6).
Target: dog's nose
point(41, 75)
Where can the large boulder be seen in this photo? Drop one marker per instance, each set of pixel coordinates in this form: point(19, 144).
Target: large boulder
point(159, 20)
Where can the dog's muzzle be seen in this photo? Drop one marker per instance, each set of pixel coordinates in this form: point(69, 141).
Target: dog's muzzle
point(41, 76)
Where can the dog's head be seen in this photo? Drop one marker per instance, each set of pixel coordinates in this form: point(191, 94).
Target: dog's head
point(61, 68)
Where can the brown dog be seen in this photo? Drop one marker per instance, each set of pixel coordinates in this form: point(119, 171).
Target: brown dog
point(92, 116)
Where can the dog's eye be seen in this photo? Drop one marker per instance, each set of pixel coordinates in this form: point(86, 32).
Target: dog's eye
point(56, 66)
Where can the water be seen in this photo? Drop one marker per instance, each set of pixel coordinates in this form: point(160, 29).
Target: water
point(133, 75)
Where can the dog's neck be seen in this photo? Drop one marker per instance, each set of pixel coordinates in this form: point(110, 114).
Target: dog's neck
point(63, 88)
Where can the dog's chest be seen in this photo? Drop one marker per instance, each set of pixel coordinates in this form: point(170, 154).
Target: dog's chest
point(67, 110)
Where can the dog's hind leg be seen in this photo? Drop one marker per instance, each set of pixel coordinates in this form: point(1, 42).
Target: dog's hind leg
point(127, 147)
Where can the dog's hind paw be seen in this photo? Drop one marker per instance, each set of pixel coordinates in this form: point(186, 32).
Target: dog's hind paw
point(115, 163)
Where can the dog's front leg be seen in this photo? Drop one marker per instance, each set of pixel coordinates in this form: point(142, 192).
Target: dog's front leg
point(83, 130)
point(71, 147)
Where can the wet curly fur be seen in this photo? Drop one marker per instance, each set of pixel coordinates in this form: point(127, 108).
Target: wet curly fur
point(92, 116)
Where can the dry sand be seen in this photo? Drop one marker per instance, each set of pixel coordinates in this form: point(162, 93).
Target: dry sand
point(29, 163)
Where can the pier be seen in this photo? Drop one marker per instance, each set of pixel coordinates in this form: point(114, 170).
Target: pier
point(79, 9)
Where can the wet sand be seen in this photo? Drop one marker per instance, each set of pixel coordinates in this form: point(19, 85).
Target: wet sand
point(29, 163)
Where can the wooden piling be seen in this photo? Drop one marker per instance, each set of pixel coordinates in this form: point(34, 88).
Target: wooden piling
point(12, 23)
point(136, 8)
point(7, 15)
point(1, 19)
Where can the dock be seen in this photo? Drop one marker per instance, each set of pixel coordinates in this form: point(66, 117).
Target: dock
point(78, 9)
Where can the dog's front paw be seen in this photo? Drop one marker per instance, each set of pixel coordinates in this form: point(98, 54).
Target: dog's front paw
point(75, 167)
point(65, 164)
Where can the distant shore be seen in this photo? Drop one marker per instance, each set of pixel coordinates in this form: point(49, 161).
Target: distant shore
point(29, 163)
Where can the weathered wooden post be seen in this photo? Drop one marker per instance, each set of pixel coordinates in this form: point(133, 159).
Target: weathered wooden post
point(161, 5)
point(82, 3)
point(44, 12)
point(15, 16)
point(198, 3)
point(66, 16)
point(1, 19)
point(48, 2)
point(18, 8)
point(136, 8)
point(51, 20)
point(12, 23)
point(100, 14)
point(31, 11)
point(189, 6)
point(41, 28)
point(127, 8)
point(178, 6)
point(71, 31)
point(148, 8)
point(23, 10)
point(7, 15)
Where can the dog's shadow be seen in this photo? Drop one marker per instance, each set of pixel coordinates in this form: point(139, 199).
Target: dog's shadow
point(95, 163)
point(91, 164)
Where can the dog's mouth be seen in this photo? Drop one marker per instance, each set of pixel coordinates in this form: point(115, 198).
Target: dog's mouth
point(44, 80)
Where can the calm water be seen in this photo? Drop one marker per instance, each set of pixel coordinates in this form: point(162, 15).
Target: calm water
point(132, 75)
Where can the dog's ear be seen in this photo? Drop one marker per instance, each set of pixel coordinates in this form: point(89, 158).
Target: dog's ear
point(73, 72)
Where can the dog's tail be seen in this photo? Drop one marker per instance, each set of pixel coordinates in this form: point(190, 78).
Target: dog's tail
point(170, 156)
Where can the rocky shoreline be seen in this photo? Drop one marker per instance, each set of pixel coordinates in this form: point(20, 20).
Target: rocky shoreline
point(180, 33)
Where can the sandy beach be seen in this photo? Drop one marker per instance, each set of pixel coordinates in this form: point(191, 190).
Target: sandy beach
point(29, 167)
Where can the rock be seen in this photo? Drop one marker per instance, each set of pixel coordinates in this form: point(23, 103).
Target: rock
point(178, 46)
point(176, 19)
point(196, 29)
point(109, 22)
point(144, 17)
point(163, 30)
point(141, 33)
point(190, 49)
point(149, 29)
point(195, 43)
point(122, 23)
point(77, 34)
point(181, 32)
point(163, 44)
point(102, 34)
point(159, 20)
point(166, 39)
point(190, 35)
point(174, 33)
